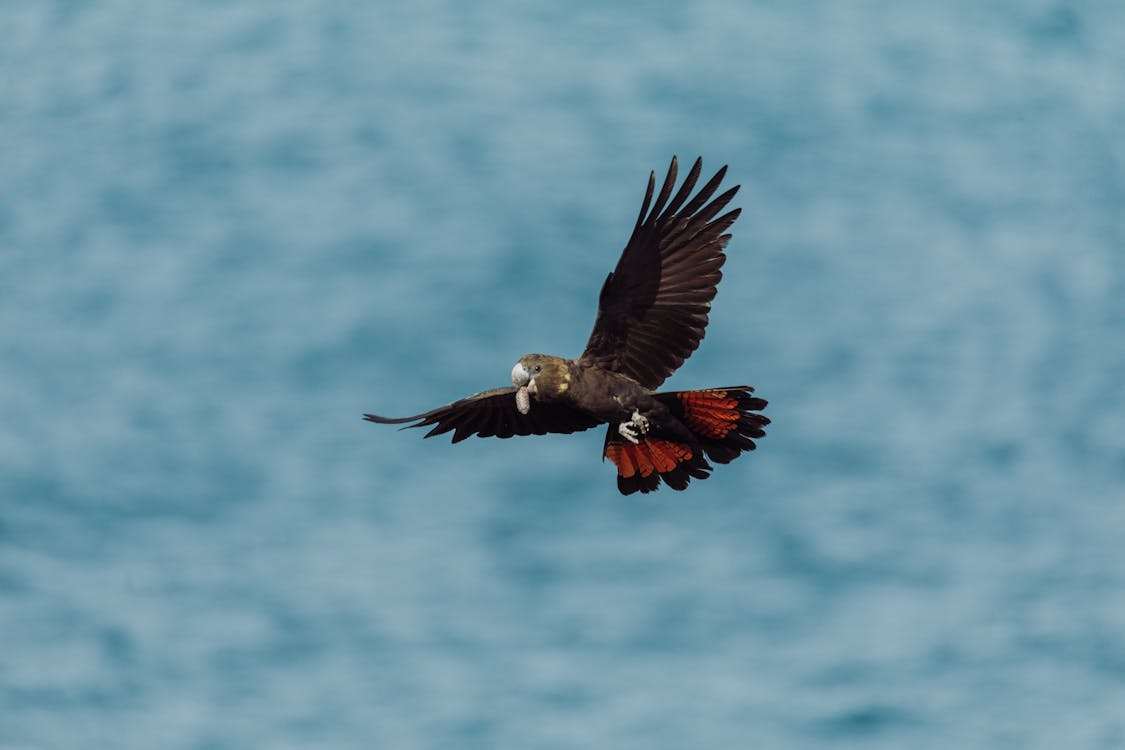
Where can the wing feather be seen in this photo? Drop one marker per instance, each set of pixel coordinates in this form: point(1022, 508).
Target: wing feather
point(653, 308)
point(494, 414)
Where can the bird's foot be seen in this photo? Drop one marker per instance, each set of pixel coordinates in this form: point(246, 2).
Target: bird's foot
point(634, 428)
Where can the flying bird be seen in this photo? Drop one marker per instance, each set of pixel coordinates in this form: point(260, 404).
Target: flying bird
point(652, 312)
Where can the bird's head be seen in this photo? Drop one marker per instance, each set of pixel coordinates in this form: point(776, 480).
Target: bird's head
point(541, 375)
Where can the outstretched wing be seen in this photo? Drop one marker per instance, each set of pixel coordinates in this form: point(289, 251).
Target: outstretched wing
point(653, 308)
point(494, 414)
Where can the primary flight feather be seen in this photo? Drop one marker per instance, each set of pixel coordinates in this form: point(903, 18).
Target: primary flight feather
point(652, 314)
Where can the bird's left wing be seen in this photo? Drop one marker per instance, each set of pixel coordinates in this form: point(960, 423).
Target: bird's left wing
point(494, 414)
point(653, 308)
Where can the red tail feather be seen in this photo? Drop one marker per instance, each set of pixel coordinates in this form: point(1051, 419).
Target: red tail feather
point(721, 419)
point(709, 413)
point(641, 466)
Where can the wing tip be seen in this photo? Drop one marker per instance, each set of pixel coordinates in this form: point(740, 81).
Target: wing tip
point(388, 420)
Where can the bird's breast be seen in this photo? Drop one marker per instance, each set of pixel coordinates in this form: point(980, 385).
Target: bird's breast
point(607, 395)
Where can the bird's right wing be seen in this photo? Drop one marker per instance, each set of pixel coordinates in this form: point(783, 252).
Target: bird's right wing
point(494, 414)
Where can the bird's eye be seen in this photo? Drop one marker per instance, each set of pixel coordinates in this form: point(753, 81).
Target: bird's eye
point(538, 368)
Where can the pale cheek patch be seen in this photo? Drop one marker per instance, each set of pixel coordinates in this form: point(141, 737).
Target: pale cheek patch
point(565, 382)
point(523, 400)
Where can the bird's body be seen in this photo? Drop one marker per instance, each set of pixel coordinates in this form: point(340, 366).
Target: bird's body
point(652, 313)
point(609, 396)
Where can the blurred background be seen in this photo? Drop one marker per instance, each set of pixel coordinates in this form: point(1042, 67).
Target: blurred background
point(227, 230)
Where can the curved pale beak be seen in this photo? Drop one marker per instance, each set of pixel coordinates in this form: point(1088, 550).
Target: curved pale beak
point(520, 375)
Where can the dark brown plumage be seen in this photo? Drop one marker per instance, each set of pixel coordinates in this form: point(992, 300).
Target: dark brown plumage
point(653, 307)
point(652, 313)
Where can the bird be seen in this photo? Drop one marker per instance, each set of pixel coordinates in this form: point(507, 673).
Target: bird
point(652, 314)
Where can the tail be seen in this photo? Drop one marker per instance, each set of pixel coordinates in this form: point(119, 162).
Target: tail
point(722, 423)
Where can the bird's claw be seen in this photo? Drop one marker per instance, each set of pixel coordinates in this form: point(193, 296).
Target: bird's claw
point(634, 428)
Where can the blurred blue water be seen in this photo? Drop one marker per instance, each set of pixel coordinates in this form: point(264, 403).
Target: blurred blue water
point(227, 231)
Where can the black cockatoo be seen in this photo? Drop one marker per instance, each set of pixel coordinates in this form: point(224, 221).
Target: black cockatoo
point(652, 312)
